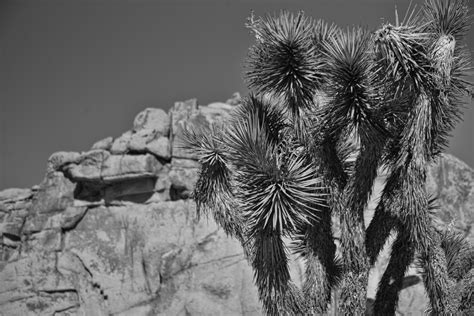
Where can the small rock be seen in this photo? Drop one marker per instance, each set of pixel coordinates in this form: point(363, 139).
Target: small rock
point(153, 119)
point(160, 147)
point(59, 159)
point(104, 144)
point(89, 167)
point(216, 112)
point(120, 144)
point(122, 168)
point(139, 140)
point(185, 106)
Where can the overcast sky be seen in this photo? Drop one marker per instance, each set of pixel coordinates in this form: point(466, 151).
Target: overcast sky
point(74, 72)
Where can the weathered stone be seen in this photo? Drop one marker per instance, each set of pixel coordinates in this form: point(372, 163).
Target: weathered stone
point(120, 144)
point(160, 147)
point(14, 194)
point(138, 254)
point(163, 182)
point(183, 113)
point(452, 182)
point(56, 192)
point(140, 139)
point(103, 144)
point(59, 159)
point(153, 119)
point(123, 168)
point(71, 216)
point(216, 112)
point(89, 167)
point(31, 278)
point(12, 228)
point(14, 204)
point(188, 106)
point(182, 182)
point(185, 163)
point(59, 303)
point(100, 166)
point(47, 240)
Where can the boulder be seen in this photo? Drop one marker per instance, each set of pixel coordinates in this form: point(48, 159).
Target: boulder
point(159, 147)
point(451, 181)
point(59, 159)
point(153, 119)
point(99, 166)
point(120, 144)
point(122, 168)
point(104, 144)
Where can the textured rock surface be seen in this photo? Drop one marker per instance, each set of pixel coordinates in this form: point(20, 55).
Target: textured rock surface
point(111, 231)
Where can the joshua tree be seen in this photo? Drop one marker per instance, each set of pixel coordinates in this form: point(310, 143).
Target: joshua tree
point(329, 108)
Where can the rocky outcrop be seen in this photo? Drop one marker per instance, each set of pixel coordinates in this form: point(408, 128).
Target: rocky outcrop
point(112, 231)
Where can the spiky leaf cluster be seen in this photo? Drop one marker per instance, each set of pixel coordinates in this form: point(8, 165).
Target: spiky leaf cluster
point(449, 17)
point(283, 61)
point(459, 254)
point(274, 188)
point(402, 51)
point(351, 84)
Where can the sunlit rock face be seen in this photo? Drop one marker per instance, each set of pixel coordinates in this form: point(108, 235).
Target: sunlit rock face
point(112, 231)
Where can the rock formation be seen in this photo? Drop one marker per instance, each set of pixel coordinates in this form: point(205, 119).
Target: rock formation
point(112, 231)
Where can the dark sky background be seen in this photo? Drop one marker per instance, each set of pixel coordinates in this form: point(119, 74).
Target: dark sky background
point(74, 72)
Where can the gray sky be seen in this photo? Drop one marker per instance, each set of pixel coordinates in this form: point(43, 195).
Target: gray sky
point(74, 72)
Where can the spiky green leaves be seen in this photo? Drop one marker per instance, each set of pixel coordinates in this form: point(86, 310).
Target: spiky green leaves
point(214, 178)
point(274, 189)
point(271, 271)
point(447, 17)
point(459, 254)
point(323, 32)
point(213, 192)
point(283, 61)
point(283, 197)
point(263, 112)
point(403, 55)
point(352, 84)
